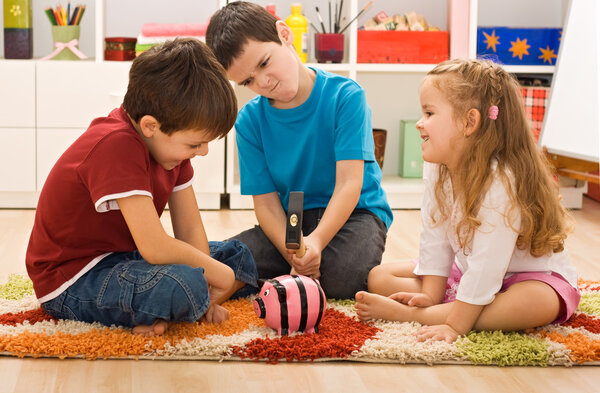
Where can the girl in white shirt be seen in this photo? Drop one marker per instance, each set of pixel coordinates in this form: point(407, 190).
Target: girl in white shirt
point(492, 251)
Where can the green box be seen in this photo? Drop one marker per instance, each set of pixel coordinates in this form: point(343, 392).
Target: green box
point(411, 157)
point(17, 14)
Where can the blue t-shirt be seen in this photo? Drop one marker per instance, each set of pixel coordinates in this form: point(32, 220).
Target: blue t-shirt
point(296, 149)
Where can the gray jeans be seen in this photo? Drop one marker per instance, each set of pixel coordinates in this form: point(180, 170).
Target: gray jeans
point(345, 262)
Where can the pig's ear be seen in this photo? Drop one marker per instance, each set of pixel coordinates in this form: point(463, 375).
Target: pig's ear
point(261, 282)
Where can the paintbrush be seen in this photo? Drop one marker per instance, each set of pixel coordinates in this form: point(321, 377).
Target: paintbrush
point(321, 20)
point(357, 15)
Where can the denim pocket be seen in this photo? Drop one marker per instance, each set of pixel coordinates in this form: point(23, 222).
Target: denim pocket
point(58, 308)
point(141, 274)
point(124, 281)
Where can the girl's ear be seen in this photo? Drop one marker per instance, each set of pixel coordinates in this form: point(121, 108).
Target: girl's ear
point(149, 125)
point(284, 32)
point(473, 120)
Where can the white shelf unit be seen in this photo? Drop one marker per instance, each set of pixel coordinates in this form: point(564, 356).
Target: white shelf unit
point(392, 89)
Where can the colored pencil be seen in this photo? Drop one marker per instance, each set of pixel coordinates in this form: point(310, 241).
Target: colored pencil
point(51, 16)
point(81, 11)
point(61, 16)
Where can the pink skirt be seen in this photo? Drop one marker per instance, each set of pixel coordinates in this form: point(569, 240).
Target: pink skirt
point(568, 295)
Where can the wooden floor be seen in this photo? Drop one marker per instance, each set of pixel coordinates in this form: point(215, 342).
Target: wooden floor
point(50, 375)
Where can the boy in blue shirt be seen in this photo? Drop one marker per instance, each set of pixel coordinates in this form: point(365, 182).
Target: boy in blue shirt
point(308, 130)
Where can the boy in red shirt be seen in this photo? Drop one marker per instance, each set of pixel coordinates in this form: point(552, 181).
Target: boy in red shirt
point(98, 251)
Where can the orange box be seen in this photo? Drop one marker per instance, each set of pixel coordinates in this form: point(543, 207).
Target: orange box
point(413, 47)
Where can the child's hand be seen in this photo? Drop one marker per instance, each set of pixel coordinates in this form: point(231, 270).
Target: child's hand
point(416, 299)
point(437, 333)
point(310, 263)
point(215, 314)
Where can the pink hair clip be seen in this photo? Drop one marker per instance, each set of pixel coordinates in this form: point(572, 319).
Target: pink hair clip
point(493, 112)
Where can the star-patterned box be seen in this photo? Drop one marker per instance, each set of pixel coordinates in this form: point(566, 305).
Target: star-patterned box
point(519, 46)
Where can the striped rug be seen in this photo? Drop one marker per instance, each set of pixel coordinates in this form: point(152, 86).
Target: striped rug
point(27, 331)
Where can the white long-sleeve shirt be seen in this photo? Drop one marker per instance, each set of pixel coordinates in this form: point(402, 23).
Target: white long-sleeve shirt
point(492, 255)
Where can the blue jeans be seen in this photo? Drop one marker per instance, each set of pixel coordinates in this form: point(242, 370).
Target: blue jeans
point(345, 262)
point(123, 289)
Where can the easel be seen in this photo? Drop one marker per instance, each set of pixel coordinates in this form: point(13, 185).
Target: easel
point(573, 167)
point(571, 127)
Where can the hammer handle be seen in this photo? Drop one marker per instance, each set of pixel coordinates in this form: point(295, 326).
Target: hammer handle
point(302, 249)
point(299, 253)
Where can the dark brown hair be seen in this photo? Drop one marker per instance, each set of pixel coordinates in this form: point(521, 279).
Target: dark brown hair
point(183, 86)
point(232, 26)
point(480, 84)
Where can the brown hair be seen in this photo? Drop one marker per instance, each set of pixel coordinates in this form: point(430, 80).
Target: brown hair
point(480, 84)
point(183, 86)
point(232, 26)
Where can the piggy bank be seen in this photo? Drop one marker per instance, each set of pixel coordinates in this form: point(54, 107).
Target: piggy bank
point(291, 303)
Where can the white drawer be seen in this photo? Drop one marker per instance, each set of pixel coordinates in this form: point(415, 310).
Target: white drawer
point(209, 171)
point(51, 144)
point(17, 93)
point(17, 159)
point(70, 94)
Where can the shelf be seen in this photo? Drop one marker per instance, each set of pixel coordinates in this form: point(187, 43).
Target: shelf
point(530, 69)
point(346, 67)
point(402, 193)
point(394, 67)
point(331, 67)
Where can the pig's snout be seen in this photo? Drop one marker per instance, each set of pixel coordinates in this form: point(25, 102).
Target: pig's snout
point(259, 308)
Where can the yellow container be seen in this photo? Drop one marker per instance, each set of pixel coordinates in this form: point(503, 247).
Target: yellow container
point(299, 25)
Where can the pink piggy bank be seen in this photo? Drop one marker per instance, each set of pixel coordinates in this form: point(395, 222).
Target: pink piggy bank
point(291, 303)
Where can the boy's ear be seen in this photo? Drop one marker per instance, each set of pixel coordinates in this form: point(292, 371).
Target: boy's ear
point(149, 125)
point(284, 32)
point(472, 121)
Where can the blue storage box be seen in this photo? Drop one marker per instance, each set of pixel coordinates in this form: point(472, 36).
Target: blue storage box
point(519, 46)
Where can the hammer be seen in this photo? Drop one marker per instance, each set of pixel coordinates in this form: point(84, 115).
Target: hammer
point(293, 225)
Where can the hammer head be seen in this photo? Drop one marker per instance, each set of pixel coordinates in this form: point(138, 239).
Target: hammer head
point(293, 226)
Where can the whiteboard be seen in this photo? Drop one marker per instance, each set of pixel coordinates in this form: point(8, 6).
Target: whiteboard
point(571, 125)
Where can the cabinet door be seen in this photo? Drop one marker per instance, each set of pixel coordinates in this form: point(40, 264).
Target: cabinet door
point(17, 93)
point(51, 144)
point(70, 94)
point(17, 159)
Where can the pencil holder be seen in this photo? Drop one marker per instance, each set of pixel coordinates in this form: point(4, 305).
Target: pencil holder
point(18, 37)
point(66, 43)
point(329, 47)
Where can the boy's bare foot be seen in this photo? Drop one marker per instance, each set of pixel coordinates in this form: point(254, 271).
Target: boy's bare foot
point(373, 306)
point(158, 328)
point(215, 314)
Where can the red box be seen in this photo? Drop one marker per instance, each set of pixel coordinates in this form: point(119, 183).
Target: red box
point(414, 47)
point(119, 48)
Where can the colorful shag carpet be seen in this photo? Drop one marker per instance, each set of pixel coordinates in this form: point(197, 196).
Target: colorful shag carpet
point(27, 331)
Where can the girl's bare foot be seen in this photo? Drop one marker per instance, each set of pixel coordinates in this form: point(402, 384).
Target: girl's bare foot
point(373, 306)
point(158, 328)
